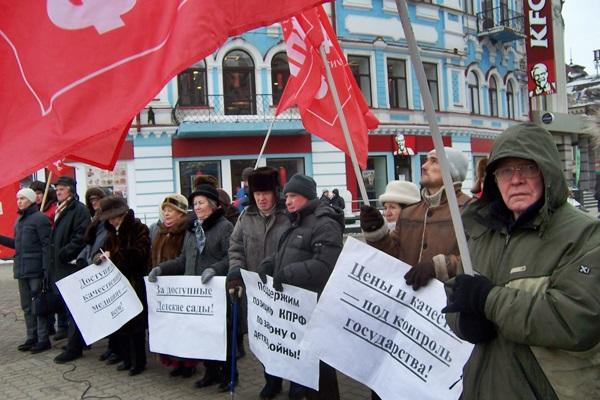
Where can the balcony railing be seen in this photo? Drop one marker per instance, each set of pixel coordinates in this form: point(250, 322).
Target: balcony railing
point(233, 108)
point(501, 24)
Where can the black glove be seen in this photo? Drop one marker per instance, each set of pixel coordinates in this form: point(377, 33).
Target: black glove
point(234, 279)
point(265, 268)
point(419, 276)
point(278, 279)
point(370, 219)
point(476, 329)
point(469, 295)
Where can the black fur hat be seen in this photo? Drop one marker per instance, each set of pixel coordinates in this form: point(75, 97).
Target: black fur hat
point(113, 206)
point(263, 179)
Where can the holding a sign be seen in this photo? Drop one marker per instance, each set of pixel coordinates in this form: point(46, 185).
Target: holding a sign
point(100, 299)
point(276, 326)
point(399, 338)
point(182, 307)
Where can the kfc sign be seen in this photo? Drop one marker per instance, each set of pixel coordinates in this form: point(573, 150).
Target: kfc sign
point(540, 47)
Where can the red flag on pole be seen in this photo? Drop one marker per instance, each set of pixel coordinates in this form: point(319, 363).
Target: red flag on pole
point(308, 89)
point(8, 215)
point(73, 83)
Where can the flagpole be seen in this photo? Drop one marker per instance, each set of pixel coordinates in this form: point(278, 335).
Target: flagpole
point(264, 145)
point(437, 138)
point(344, 125)
point(46, 191)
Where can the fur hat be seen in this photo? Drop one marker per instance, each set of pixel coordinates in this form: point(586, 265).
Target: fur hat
point(205, 179)
point(93, 192)
point(479, 175)
point(303, 185)
point(28, 193)
point(207, 191)
point(67, 181)
point(224, 197)
point(176, 201)
point(401, 192)
point(458, 163)
point(112, 206)
point(263, 179)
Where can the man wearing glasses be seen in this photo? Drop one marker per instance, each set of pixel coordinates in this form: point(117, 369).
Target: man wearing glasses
point(533, 307)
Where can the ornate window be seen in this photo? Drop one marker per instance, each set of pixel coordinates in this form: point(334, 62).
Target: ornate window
point(473, 83)
point(493, 95)
point(191, 85)
point(280, 72)
point(239, 89)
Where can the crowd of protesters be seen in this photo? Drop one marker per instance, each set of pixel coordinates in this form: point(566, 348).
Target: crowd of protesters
point(528, 315)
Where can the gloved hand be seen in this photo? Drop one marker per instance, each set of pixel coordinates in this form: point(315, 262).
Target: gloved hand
point(99, 258)
point(370, 219)
point(154, 273)
point(234, 279)
point(419, 276)
point(278, 279)
point(265, 268)
point(476, 329)
point(207, 275)
point(469, 295)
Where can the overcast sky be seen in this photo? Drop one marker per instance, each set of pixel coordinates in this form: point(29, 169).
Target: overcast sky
point(582, 32)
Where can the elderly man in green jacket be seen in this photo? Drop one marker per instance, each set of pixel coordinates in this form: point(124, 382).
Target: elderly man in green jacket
point(533, 307)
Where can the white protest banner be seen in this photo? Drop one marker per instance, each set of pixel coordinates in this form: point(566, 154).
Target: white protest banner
point(276, 325)
point(371, 326)
point(187, 318)
point(100, 299)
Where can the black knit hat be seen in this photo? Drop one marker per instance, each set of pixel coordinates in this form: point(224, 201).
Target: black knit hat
point(38, 186)
point(112, 206)
point(207, 191)
point(303, 185)
point(67, 181)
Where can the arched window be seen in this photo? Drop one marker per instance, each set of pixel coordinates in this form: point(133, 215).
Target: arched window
point(473, 83)
point(280, 72)
point(510, 100)
point(239, 90)
point(493, 95)
point(191, 85)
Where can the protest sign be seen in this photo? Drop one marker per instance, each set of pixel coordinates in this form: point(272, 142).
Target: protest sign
point(100, 299)
point(276, 325)
point(187, 318)
point(371, 326)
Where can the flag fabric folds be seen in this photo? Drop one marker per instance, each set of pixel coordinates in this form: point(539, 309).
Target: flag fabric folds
point(308, 89)
point(75, 73)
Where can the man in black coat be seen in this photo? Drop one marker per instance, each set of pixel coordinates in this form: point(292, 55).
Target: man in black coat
point(31, 240)
point(66, 242)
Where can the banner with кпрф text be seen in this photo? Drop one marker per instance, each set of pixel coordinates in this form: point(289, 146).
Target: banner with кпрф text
point(187, 318)
point(276, 325)
point(373, 327)
point(100, 299)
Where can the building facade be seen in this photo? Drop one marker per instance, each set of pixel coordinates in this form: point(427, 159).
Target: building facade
point(212, 118)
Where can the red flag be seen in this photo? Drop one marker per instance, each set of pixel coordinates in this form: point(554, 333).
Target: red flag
point(8, 215)
point(73, 83)
point(308, 89)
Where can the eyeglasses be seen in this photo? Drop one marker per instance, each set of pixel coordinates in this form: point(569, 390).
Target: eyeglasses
point(525, 171)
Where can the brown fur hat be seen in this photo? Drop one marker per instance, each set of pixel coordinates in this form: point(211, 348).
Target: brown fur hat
point(112, 206)
point(205, 180)
point(263, 179)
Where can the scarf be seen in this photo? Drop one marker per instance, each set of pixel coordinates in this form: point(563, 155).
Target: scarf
point(200, 235)
point(61, 207)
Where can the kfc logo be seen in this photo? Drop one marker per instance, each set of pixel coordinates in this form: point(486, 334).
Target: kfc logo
point(539, 74)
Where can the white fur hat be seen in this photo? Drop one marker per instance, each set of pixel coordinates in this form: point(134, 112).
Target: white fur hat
point(29, 194)
point(401, 192)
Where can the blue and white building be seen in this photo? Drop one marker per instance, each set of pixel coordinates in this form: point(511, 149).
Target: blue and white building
point(212, 118)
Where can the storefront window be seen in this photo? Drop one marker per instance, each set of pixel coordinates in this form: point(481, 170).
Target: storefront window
point(287, 167)
point(188, 170)
point(237, 167)
point(112, 182)
point(375, 177)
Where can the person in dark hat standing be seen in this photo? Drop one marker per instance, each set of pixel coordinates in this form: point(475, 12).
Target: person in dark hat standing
point(307, 263)
point(255, 237)
point(128, 246)
point(66, 242)
point(51, 203)
point(204, 253)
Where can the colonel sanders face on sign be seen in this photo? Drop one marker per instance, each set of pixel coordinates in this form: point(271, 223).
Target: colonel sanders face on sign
point(539, 73)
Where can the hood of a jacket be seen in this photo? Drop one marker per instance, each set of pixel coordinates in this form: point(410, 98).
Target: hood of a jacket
point(531, 142)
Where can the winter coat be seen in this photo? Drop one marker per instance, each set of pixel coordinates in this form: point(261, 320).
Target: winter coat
point(423, 232)
point(214, 255)
point(255, 237)
point(309, 249)
point(167, 242)
point(31, 243)
point(66, 240)
point(546, 302)
point(337, 201)
point(129, 249)
point(94, 238)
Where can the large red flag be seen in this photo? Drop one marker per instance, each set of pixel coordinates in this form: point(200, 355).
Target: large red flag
point(308, 89)
point(75, 73)
point(8, 215)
